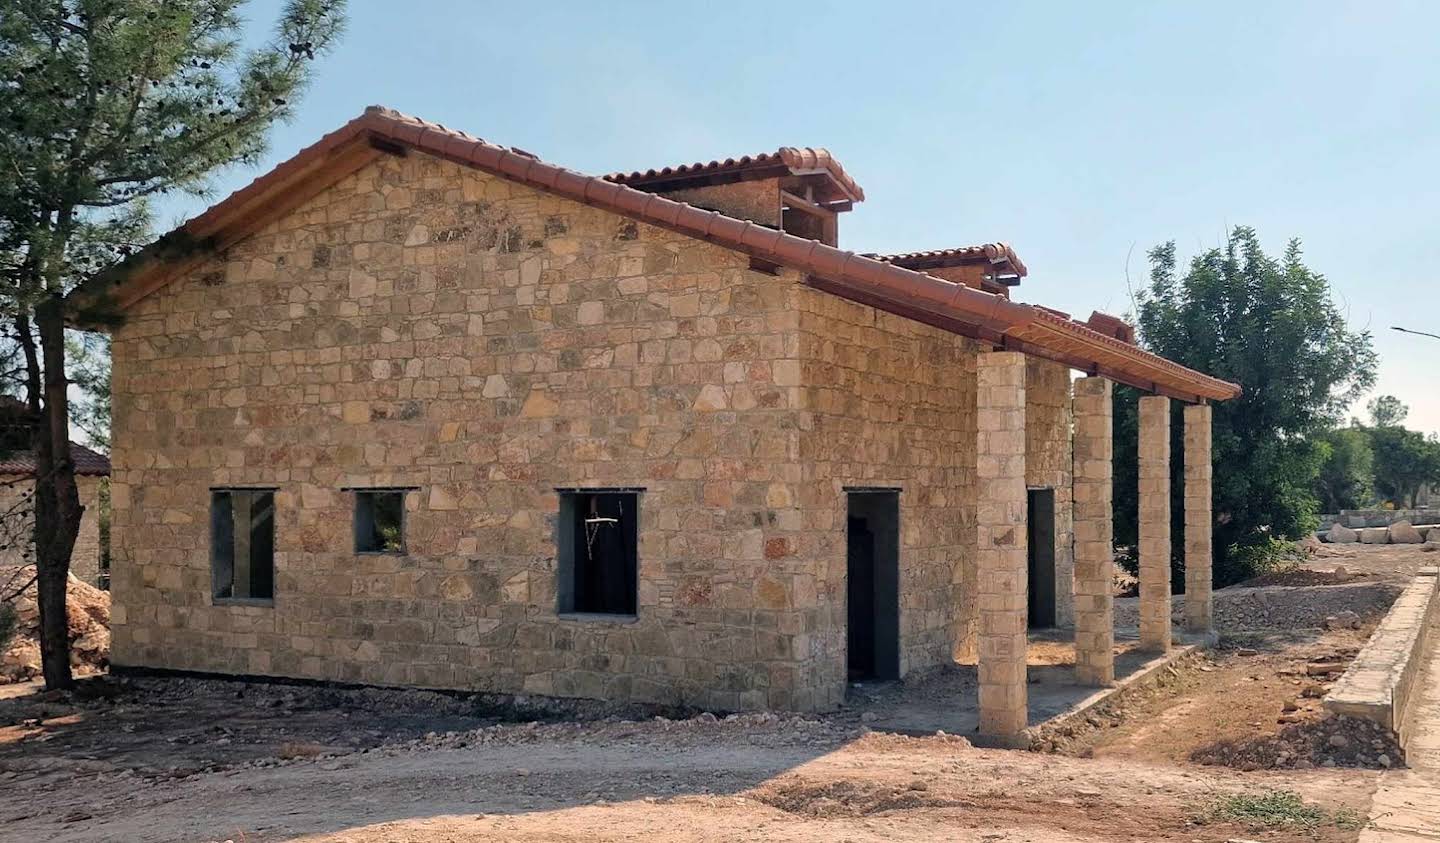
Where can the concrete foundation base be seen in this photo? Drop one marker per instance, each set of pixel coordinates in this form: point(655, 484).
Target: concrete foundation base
point(946, 701)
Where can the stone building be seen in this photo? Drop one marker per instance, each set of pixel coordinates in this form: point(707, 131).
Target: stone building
point(17, 488)
point(417, 409)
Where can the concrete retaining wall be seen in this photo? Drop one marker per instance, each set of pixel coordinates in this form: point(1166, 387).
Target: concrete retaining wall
point(1357, 518)
point(1378, 684)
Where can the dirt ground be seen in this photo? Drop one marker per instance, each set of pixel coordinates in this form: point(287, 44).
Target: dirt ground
point(750, 778)
point(211, 760)
point(1395, 563)
point(1254, 703)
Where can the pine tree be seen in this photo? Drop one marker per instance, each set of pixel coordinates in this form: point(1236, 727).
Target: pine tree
point(105, 104)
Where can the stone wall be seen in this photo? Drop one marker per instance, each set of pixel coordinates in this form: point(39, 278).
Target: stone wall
point(85, 558)
point(425, 325)
point(15, 492)
point(1048, 464)
point(422, 324)
point(889, 402)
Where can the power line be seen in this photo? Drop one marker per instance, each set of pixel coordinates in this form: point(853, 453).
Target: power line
point(1420, 333)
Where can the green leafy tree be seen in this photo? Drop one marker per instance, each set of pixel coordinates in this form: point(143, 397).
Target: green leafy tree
point(1405, 462)
point(106, 104)
point(1387, 411)
point(88, 359)
point(1347, 470)
point(1271, 325)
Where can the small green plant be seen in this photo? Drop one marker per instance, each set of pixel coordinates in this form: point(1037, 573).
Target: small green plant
point(390, 538)
point(1267, 556)
point(1279, 808)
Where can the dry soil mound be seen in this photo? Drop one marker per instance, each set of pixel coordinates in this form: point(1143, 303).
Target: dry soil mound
point(88, 610)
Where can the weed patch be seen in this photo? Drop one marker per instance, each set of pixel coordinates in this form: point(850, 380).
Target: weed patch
point(1278, 809)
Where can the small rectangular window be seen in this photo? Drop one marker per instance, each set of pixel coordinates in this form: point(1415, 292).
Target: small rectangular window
point(379, 520)
point(599, 551)
point(242, 544)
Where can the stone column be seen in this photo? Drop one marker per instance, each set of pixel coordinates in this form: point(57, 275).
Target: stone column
point(1198, 520)
point(1154, 494)
point(1001, 562)
point(1094, 531)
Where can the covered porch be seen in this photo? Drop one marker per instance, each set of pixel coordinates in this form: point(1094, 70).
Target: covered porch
point(1012, 691)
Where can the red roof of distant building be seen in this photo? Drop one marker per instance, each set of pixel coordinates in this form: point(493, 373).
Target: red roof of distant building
point(87, 462)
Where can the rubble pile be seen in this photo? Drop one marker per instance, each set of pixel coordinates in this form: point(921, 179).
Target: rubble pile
point(88, 611)
point(1335, 741)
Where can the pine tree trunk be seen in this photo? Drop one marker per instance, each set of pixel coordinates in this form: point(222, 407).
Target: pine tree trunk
point(57, 500)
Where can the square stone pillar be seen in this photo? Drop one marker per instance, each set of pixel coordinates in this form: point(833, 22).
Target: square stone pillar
point(1198, 520)
point(1154, 494)
point(1000, 557)
point(1094, 534)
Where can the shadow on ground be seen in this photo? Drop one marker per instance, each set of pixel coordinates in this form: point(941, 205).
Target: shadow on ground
point(338, 745)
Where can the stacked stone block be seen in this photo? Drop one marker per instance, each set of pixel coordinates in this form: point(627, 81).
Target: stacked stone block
point(424, 325)
point(1001, 554)
point(1154, 522)
point(887, 402)
point(421, 324)
point(1198, 520)
point(17, 530)
point(1094, 531)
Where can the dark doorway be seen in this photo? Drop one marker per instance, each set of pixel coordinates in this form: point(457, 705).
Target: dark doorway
point(1040, 539)
point(872, 591)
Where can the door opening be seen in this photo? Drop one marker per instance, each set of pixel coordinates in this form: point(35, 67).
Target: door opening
point(1040, 539)
point(872, 555)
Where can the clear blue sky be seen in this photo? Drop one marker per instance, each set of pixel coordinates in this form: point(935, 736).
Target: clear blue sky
point(1075, 131)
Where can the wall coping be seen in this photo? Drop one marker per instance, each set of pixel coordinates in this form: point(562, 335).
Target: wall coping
point(1377, 685)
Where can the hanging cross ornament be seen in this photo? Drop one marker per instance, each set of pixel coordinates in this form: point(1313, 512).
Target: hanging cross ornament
point(595, 522)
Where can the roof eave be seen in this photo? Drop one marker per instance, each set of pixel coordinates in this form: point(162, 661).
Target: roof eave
point(991, 314)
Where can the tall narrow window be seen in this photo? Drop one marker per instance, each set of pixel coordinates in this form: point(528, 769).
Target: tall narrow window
point(598, 551)
point(242, 543)
point(379, 520)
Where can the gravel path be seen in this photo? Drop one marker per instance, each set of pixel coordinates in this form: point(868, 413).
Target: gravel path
point(1282, 607)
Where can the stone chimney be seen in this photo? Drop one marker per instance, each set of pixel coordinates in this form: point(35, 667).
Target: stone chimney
point(992, 267)
point(798, 190)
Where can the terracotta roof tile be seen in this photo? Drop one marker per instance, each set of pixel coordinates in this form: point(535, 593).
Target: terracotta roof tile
point(992, 252)
point(797, 159)
point(87, 462)
point(888, 286)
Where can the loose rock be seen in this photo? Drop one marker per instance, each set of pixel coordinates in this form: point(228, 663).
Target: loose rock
point(1403, 532)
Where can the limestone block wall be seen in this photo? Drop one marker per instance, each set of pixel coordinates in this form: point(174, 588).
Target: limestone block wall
point(889, 402)
point(17, 528)
point(1048, 463)
point(17, 532)
point(422, 324)
point(85, 558)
